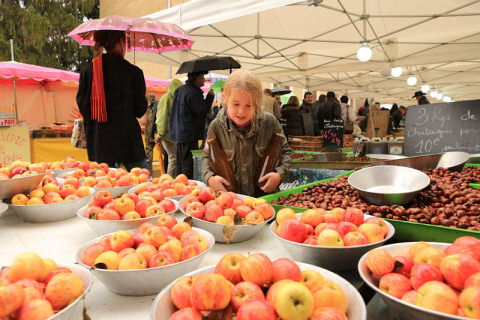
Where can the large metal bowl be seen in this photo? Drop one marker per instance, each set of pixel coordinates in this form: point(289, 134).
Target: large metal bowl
point(102, 227)
point(149, 281)
point(242, 232)
point(387, 185)
point(51, 212)
point(402, 309)
point(75, 310)
point(331, 258)
point(453, 161)
point(3, 208)
point(60, 172)
point(425, 162)
point(10, 187)
point(118, 191)
point(162, 307)
point(177, 198)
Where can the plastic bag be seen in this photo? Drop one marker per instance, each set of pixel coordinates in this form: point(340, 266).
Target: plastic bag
point(79, 140)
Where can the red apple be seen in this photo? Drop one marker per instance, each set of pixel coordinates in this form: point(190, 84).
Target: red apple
point(196, 210)
point(395, 284)
point(354, 238)
point(168, 205)
point(206, 194)
point(102, 197)
point(229, 267)
point(293, 230)
point(422, 273)
point(257, 310)
point(257, 268)
point(245, 292)
point(142, 206)
point(213, 212)
point(406, 263)
point(285, 268)
point(225, 200)
point(457, 268)
point(353, 215)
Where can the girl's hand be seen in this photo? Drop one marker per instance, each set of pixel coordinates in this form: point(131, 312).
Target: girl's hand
point(272, 180)
point(218, 183)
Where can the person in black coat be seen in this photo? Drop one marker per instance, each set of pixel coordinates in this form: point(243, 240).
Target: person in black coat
point(187, 120)
point(110, 115)
point(331, 108)
point(293, 117)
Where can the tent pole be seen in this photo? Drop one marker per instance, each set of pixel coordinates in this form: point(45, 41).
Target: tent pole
point(12, 54)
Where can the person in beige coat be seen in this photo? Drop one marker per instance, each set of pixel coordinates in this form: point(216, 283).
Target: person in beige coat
point(244, 132)
point(269, 104)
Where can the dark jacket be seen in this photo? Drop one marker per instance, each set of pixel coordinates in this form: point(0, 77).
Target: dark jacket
point(154, 124)
point(189, 110)
point(318, 116)
point(396, 118)
point(423, 100)
point(308, 118)
point(244, 152)
point(293, 118)
point(119, 139)
point(331, 110)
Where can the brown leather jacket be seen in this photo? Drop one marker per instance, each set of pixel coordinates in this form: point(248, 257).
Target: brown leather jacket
point(245, 152)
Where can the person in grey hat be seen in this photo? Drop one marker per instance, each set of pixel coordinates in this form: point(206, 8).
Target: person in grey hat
point(420, 96)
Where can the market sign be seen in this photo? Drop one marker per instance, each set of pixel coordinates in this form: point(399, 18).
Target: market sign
point(14, 145)
point(442, 127)
point(7, 115)
point(333, 134)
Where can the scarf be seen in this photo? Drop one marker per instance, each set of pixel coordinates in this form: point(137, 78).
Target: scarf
point(97, 98)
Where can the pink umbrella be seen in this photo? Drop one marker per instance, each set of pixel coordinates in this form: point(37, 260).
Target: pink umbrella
point(143, 34)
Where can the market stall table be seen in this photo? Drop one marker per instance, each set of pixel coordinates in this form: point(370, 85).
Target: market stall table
point(61, 240)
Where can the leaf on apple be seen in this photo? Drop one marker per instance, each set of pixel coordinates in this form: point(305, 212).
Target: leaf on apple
point(85, 314)
point(228, 232)
point(398, 266)
point(100, 265)
point(189, 220)
point(237, 219)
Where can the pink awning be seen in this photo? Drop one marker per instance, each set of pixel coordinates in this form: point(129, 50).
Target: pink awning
point(22, 71)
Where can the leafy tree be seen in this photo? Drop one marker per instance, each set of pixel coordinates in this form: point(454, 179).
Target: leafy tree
point(39, 31)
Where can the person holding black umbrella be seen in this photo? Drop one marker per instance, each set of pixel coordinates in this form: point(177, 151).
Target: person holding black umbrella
point(187, 119)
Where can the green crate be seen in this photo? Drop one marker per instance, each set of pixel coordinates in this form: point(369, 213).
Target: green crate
point(345, 174)
point(303, 159)
point(475, 185)
point(286, 193)
point(473, 165)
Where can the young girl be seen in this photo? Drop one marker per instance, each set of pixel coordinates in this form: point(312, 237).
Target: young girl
point(244, 133)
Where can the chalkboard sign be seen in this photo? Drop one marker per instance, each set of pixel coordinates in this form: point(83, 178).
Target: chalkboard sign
point(442, 127)
point(333, 134)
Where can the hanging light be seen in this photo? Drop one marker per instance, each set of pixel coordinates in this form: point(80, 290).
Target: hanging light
point(439, 96)
point(396, 72)
point(364, 53)
point(447, 99)
point(433, 94)
point(385, 70)
point(425, 88)
point(411, 80)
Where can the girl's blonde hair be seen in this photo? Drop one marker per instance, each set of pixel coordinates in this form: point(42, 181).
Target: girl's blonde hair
point(245, 80)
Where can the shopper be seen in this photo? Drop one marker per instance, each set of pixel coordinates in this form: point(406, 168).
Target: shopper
point(398, 115)
point(111, 96)
point(269, 104)
point(293, 118)
point(162, 120)
point(318, 114)
point(307, 114)
point(420, 96)
point(348, 114)
point(331, 108)
point(187, 120)
point(244, 132)
point(149, 123)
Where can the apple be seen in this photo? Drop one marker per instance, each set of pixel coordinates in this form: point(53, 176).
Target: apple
point(243, 210)
point(104, 184)
point(380, 222)
point(470, 302)
point(180, 228)
point(430, 255)
point(50, 187)
point(330, 295)
point(416, 247)
point(406, 265)
point(107, 214)
point(224, 201)
point(471, 242)
point(35, 201)
point(168, 205)
point(206, 194)
point(54, 272)
point(410, 296)
point(36, 193)
point(124, 205)
point(186, 314)
point(395, 284)
point(154, 210)
point(329, 218)
point(293, 301)
point(323, 226)
point(156, 236)
point(457, 268)
point(192, 237)
point(121, 239)
point(354, 238)
point(457, 248)
point(229, 267)
point(345, 227)
point(73, 181)
point(255, 217)
point(49, 196)
point(380, 262)
point(19, 199)
point(311, 217)
point(327, 313)
point(142, 206)
point(146, 250)
point(245, 292)
point(353, 215)
point(256, 310)
point(131, 215)
point(265, 209)
point(196, 209)
point(293, 230)
point(285, 268)
point(257, 268)
point(89, 181)
point(473, 280)
point(422, 273)
point(285, 214)
point(311, 240)
point(180, 292)
point(82, 192)
point(213, 212)
point(338, 212)
point(372, 231)
point(312, 279)
point(210, 292)
point(102, 197)
point(132, 196)
point(167, 221)
point(161, 258)
point(330, 238)
point(437, 296)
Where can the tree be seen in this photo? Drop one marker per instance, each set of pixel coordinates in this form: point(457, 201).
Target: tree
point(39, 31)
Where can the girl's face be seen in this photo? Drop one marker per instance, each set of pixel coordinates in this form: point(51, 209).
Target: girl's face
point(240, 107)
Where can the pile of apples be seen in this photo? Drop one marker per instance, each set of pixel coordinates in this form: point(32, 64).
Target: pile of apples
point(96, 175)
point(446, 281)
point(227, 208)
point(35, 288)
point(127, 207)
point(255, 288)
point(169, 186)
point(151, 246)
point(17, 169)
point(336, 228)
point(49, 191)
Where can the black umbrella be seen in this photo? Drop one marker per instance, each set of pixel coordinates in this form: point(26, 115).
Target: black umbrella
point(280, 91)
point(207, 63)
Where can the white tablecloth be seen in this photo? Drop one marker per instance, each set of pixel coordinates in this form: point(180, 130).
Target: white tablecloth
point(61, 240)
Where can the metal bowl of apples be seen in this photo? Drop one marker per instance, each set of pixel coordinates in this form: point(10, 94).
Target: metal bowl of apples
point(51, 212)
point(328, 254)
point(102, 227)
point(387, 185)
point(145, 282)
point(200, 184)
point(163, 307)
point(75, 309)
point(61, 172)
point(11, 187)
point(400, 308)
point(241, 232)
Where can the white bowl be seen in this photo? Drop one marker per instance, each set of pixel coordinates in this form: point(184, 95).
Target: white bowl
point(177, 198)
point(102, 227)
point(75, 310)
point(242, 232)
point(162, 307)
point(402, 309)
point(51, 212)
point(146, 281)
point(331, 258)
point(10, 187)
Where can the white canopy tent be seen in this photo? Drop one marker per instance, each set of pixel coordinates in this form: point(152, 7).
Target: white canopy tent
point(313, 44)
